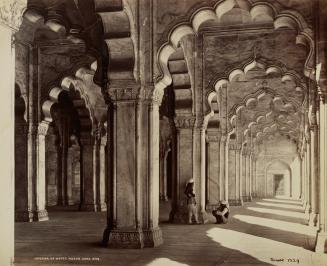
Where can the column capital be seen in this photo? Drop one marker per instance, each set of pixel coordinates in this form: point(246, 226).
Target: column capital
point(123, 91)
point(213, 135)
point(184, 122)
point(43, 128)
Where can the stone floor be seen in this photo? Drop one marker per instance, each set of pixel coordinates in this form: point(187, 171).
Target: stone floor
point(265, 232)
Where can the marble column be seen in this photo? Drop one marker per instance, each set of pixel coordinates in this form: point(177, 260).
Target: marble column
point(239, 173)
point(184, 126)
point(243, 174)
point(213, 137)
point(40, 213)
point(203, 215)
point(308, 179)
point(23, 193)
point(321, 242)
point(314, 175)
point(88, 173)
point(250, 175)
point(222, 168)
point(246, 167)
point(70, 175)
point(233, 174)
point(254, 176)
point(163, 173)
point(9, 24)
point(101, 175)
point(133, 164)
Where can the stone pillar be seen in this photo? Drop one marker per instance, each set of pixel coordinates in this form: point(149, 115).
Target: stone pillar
point(184, 126)
point(321, 243)
point(222, 167)
point(254, 176)
point(314, 175)
point(62, 178)
point(40, 213)
point(246, 173)
point(243, 174)
point(213, 137)
point(203, 215)
point(163, 173)
point(233, 174)
point(239, 172)
point(9, 24)
point(101, 175)
point(23, 193)
point(88, 173)
point(165, 176)
point(133, 185)
point(308, 179)
point(70, 175)
point(250, 175)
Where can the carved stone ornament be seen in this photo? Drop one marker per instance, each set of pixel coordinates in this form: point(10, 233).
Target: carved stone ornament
point(43, 128)
point(11, 13)
point(124, 94)
point(213, 138)
point(184, 122)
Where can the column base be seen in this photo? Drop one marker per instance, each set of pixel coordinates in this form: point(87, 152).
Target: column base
point(235, 202)
point(152, 237)
point(88, 207)
point(102, 207)
point(23, 216)
point(313, 218)
point(126, 239)
point(40, 216)
point(321, 242)
point(203, 217)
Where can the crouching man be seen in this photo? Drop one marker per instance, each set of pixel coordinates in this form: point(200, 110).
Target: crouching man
point(221, 213)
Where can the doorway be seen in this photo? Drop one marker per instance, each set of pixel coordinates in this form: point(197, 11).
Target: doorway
point(279, 185)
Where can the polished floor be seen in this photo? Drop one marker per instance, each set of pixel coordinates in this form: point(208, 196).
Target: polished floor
point(263, 232)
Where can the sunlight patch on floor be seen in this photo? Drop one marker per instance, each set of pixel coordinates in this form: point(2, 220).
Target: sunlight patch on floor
point(279, 225)
point(294, 202)
point(165, 261)
point(279, 212)
point(262, 249)
point(283, 206)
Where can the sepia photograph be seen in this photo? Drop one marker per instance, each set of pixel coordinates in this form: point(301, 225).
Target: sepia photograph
point(163, 132)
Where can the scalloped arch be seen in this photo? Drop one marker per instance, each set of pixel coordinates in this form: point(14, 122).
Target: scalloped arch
point(285, 75)
point(285, 18)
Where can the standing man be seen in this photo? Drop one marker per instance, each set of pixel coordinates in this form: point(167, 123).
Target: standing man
point(191, 202)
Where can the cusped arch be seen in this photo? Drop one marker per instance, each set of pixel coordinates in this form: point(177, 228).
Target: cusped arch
point(280, 18)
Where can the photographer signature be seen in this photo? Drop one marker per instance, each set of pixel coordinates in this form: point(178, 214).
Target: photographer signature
point(285, 260)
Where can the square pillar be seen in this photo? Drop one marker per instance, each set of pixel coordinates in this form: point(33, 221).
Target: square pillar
point(184, 126)
point(314, 175)
point(23, 192)
point(40, 213)
point(101, 175)
point(213, 138)
point(222, 168)
point(233, 174)
point(321, 242)
point(133, 164)
point(88, 173)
